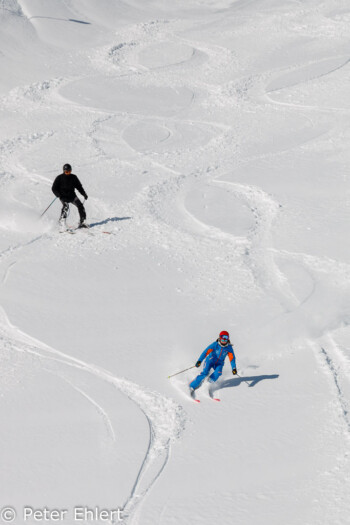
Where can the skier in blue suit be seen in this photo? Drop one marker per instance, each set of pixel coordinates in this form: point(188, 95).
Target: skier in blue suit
point(215, 356)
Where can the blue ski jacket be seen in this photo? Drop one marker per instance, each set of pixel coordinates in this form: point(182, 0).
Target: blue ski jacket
point(216, 354)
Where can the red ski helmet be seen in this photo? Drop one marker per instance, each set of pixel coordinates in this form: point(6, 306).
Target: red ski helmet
point(224, 336)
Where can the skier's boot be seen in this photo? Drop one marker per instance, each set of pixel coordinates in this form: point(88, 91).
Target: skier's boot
point(82, 224)
point(62, 223)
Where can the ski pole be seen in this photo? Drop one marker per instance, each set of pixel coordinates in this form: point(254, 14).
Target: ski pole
point(243, 379)
point(48, 207)
point(177, 373)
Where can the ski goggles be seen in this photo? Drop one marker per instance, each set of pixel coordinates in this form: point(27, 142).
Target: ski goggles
point(224, 338)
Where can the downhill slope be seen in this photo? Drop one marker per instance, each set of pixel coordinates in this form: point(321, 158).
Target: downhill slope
point(211, 137)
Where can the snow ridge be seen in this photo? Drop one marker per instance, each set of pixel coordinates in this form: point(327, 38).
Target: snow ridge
point(339, 370)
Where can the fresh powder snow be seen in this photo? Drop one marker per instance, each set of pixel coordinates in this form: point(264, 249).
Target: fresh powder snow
point(212, 138)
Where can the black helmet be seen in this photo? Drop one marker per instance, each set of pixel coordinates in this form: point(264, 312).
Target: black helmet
point(67, 167)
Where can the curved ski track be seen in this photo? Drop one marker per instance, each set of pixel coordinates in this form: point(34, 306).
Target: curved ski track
point(161, 208)
point(165, 418)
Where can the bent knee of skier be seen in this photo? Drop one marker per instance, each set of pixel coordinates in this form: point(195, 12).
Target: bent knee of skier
point(215, 376)
point(64, 211)
point(196, 383)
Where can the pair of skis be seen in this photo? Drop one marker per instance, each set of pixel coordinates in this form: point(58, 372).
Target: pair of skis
point(192, 391)
point(86, 228)
point(196, 400)
point(73, 231)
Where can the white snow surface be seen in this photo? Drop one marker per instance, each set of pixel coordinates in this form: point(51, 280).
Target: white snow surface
point(212, 137)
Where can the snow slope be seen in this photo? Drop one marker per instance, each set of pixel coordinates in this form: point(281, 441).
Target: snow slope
point(212, 139)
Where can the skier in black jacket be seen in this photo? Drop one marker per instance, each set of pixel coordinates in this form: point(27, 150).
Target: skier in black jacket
point(64, 187)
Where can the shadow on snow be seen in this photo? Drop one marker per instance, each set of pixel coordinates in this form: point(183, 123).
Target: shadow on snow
point(250, 380)
point(60, 19)
point(110, 219)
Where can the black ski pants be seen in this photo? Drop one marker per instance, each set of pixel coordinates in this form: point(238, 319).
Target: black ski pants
point(77, 202)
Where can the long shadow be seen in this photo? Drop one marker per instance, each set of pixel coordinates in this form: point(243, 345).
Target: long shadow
point(61, 19)
point(110, 219)
point(249, 380)
point(79, 21)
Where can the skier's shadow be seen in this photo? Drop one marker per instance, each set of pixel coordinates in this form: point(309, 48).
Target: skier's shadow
point(249, 380)
point(110, 219)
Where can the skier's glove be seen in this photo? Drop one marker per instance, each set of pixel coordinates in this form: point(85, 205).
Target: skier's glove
point(234, 371)
point(198, 364)
point(86, 197)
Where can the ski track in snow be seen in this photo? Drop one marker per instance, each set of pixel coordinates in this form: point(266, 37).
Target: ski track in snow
point(162, 207)
point(338, 377)
point(99, 408)
point(337, 364)
point(259, 254)
point(309, 77)
point(165, 418)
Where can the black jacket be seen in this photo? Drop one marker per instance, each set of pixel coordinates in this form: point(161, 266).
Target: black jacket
point(64, 186)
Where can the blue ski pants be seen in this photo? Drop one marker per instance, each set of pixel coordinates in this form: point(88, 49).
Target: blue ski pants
point(217, 371)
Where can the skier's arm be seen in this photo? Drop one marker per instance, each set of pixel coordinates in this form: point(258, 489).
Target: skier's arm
point(232, 358)
point(203, 355)
point(56, 187)
point(80, 188)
